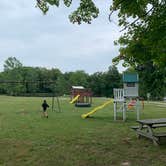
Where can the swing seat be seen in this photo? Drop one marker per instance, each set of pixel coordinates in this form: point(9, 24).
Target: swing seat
point(82, 105)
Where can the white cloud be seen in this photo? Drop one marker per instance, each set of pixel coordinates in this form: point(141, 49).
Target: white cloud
point(52, 41)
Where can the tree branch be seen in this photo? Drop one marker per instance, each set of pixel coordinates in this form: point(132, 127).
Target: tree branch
point(137, 19)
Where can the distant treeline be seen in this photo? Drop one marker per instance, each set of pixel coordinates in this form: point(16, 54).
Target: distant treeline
point(33, 81)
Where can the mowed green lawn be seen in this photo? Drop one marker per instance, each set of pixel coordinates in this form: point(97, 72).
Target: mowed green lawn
point(65, 139)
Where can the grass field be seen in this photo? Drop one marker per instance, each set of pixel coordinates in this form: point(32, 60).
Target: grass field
point(64, 139)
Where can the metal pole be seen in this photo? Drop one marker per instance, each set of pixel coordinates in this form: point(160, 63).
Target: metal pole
point(59, 108)
point(53, 103)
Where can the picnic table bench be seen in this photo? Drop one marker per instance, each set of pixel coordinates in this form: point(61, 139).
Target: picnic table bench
point(146, 126)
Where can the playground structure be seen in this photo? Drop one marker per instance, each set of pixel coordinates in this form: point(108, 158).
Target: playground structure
point(129, 92)
point(74, 99)
point(55, 106)
point(81, 97)
point(131, 104)
point(96, 109)
point(121, 96)
point(58, 108)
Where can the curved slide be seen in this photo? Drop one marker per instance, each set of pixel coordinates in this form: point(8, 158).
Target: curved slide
point(96, 109)
point(74, 99)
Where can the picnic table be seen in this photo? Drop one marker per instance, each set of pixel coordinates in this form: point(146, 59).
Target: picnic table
point(146, 128)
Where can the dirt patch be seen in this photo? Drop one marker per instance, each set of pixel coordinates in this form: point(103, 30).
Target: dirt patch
point(126, 140)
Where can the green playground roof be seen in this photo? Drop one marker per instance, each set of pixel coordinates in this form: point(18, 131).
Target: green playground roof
point(130, 77)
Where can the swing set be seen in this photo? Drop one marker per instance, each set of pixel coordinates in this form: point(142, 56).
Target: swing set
point(55, 98)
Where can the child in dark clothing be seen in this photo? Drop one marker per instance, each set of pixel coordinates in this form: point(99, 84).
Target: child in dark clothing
point(45, 106)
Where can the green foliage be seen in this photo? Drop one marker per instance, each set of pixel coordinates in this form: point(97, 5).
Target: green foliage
point(155, 81)
point(35, 80)
point(97, 83)
point(143, 45)
point(152, 79)
point(78, 78)
point(86, 12)
point(67, 2)
point(42, 5)
point(143, 42)
point(12, 63)
point(145, 37)
point(102, 83)
point(113, 80)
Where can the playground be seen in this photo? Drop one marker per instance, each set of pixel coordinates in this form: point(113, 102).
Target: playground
point(65, 138)
point(83, 83)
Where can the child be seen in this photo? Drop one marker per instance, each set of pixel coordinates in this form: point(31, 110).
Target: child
point(45, 106)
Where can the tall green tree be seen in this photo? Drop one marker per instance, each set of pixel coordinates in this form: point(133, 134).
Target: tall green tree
point(13, 88)
point(78, 78)
point(144, 40)
point(97, 83)
point(12, 63)
point(113, 79)
point(29, 74)
point(12, 68)
point(153, 81)
point(62, 86)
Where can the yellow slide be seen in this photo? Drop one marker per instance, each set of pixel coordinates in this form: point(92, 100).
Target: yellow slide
point(74, 99)
point(96, 109)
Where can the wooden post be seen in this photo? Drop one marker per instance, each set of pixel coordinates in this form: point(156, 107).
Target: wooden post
point(124, 111)
point(137, 109)
point(115, 104)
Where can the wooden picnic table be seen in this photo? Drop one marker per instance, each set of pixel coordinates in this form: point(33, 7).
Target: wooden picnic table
point(146, 127)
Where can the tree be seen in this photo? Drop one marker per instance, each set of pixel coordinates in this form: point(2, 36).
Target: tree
point(62, 86)
point(84, 13)
point(78, 78)
point(152, 80)
point(29, 74)
point(12, 68)
point(145, 36)
point(12, 63)
point(97, 83)
point(13, 88)
point(144, 40)
point(113, 79)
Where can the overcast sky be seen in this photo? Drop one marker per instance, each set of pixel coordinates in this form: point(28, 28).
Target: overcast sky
point(52, 41)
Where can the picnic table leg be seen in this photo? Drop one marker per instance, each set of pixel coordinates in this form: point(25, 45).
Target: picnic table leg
point(156, 143)
point(140, 128)
point(154, 139)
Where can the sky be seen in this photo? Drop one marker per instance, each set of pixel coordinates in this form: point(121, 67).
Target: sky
point(51, 41)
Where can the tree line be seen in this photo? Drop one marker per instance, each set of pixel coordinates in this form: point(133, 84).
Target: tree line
point(24, 80)
point(143, 43)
